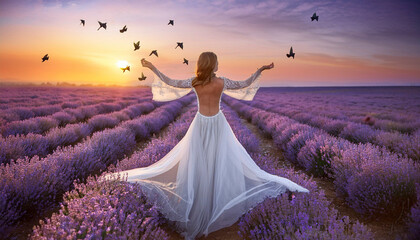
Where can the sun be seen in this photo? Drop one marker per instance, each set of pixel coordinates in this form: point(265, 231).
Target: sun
point(122, 63)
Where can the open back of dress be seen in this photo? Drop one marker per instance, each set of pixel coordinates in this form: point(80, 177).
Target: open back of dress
point(208, 180)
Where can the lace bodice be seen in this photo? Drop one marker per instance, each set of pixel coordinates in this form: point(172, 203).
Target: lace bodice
point(167, 89)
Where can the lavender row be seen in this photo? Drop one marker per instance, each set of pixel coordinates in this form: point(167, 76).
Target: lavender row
point(33, 108)
point(370, 119)
point(371, 179)
point(115, 209)
point(12, 113)
point(33, 97)
point(403, 122)
point(58, 101)
point(21, 113)
point(303, 111)
point(99, 210)
point(29, 102)
point(297, 216)
point(33, 186)
point(389, 111)
point(40, 125)
point(408, 145)
point(14, 147)
point(397, 105)
point(413, 221)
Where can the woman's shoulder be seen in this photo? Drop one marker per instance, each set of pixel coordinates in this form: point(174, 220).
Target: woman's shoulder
point(218, 79)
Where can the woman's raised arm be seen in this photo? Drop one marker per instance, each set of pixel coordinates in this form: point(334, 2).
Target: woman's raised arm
point(231, 84)
point(172, 82)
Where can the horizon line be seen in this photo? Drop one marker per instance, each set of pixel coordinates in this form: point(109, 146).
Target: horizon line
point(66, 84)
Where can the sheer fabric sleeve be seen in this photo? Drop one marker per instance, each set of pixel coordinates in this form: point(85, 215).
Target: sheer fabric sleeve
point(167, 89)
point(242, 90)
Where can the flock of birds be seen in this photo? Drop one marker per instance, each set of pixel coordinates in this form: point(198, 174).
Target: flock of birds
point(137, 45)
point(154, 52)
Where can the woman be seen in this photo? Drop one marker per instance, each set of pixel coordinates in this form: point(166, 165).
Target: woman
point(208, 180)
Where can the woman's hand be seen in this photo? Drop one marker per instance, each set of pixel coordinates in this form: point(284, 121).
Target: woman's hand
point(266, 67)
point(147, 64)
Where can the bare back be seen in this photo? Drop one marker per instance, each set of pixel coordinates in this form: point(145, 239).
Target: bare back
point(209, 96)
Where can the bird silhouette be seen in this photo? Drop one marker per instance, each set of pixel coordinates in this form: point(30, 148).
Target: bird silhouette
point(82, 21)
point(171, 22)
point(180, 44)
point(46, 57)
point(154, 52)
point(314, 17)
point(137, 45)
point(124, 29)
point(291, 54)
point(185, 61)
point(126, 68)
point(142, 77)
point(102, 25)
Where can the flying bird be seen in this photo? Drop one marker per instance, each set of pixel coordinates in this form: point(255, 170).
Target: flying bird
point(142, 77)
point(185, 61)
point(137, 45)
point(103, 25)
point(314, 17)
point(291, 54)
point(180, 44)
point(154, 52)
point(82, 21)
point(124, 29)
point(171, 22)
point(126, 68)
point(46, 57)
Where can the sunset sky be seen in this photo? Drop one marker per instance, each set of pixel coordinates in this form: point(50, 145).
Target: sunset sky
point(354, 43)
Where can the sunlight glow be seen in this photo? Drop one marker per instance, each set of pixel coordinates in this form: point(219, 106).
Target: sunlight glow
point(122, 63)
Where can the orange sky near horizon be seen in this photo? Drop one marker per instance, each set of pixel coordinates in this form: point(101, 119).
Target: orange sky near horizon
point(84, 55)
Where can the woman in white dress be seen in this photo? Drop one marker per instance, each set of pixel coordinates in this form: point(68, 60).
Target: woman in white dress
point(208, 180)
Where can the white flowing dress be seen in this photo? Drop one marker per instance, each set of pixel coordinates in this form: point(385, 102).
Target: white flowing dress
point(208, 180)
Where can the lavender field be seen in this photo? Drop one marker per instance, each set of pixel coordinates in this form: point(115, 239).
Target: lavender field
point(356, 149)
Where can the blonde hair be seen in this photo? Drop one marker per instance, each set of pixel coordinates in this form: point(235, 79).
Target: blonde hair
point(204, 70)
